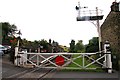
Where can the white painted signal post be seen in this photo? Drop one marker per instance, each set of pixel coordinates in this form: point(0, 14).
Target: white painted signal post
point(96, 17)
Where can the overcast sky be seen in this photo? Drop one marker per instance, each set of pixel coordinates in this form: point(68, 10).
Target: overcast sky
point(55, 19)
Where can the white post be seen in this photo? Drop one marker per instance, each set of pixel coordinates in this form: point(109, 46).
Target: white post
point(105, 51)
point(98, 29)
point(79, 10)
point(16, 51)
point(38, 57)
point(16, 54)
point(83, 61)
point(108, 57)
point(109, 64)
point(25, 59)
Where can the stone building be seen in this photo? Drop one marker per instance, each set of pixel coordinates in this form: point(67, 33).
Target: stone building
point(110, 30)
point(0, 33)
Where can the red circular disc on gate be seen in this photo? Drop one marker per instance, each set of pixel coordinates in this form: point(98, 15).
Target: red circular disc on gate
point(59, 60)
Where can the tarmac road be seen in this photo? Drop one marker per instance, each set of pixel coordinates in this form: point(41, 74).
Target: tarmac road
point(85, 76)
point(9, 68)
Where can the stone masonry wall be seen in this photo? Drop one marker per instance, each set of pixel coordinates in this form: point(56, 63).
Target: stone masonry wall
point(110, 30)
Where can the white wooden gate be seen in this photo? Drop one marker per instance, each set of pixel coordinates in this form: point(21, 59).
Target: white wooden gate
point(71, 60)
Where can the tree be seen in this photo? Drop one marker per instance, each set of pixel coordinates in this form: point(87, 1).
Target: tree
point(49, 41)
point(8, 29)
point(8, 37)
point(44, 44)
point(8, 32)
point(79, 47)
point(55, 46)
point(93, 45)
point(72, 46)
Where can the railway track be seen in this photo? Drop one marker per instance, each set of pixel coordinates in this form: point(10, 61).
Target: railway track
point(37, 73)
point(49, 74)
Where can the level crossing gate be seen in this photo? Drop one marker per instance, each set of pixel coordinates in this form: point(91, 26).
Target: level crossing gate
point(65, 60)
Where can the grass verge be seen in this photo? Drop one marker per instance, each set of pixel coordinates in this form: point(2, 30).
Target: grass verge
point(80, 62)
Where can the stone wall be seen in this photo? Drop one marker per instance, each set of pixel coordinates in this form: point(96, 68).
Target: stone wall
point(110, 30)
point(0, 33)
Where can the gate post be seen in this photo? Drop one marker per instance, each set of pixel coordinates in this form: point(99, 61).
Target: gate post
point(108, 57)
point(38, 57)
point(16, 62)
point(16, 54)
point(105, 51)
point(25, 57)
